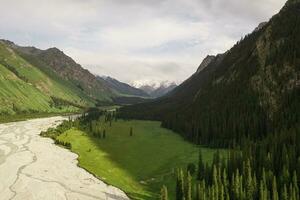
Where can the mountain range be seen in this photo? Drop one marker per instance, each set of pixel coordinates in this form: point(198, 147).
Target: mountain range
point(249, 91)
point(35, 80)
point(122, 88)
point(157, 90)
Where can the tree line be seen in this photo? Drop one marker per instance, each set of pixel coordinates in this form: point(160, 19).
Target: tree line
point(265, 170)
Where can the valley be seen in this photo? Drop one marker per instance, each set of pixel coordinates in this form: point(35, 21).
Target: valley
point(229, 131)
point(140, 163)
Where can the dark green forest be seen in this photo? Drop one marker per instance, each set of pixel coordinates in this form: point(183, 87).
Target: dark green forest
point(249, 92)
point(247, 100)
point(265, 170)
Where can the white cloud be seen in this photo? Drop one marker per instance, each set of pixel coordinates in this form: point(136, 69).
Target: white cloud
point(134, 39)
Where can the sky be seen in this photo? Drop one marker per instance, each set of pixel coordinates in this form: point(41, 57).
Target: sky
point(135, 41)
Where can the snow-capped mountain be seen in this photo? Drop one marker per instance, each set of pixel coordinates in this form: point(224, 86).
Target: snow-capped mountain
point(155, 89)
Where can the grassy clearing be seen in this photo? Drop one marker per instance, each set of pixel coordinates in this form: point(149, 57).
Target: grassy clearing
point(138, 164)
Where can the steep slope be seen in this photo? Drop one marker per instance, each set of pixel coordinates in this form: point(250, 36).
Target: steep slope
point(18, 96)
point(251, 90)
point(26, 89)
point(30, 83)
point(55, 63)
point(121, 88)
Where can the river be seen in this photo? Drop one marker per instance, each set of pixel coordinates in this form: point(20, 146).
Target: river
point(33, 168)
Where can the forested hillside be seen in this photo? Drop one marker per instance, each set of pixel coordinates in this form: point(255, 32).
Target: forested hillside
point(250, 91)
point(247, 100)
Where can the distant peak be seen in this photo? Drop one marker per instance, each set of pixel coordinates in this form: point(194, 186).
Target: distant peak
point(153, 85)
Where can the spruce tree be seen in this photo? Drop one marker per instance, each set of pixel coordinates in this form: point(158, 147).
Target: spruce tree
point(274, 189)
point(131, 131)
point(249, 182)
point(201, 167)
point(188, 192)
point(180, 195)
point(215, 182)
point(104, 134)
point(284, 193)
point(164, 193)
point(295, 184)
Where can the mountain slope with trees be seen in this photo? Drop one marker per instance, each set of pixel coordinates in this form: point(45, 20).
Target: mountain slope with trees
point(250, 91)
point(248, 100)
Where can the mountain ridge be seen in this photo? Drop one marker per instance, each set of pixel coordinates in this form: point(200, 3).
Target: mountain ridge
point(158, 90)
point(255, 83)
point(46, 89)
point(122, 88)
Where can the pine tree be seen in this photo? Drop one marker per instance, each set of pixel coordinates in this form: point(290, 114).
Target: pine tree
point(285, 175)
point(180, 186)
point(202, 192)
point(104, 134)
point(236, 185)
point(225, 183)
point(249, 182)
point(131, 131)
point(295, 184)
point(262, 191)
point(201, 167)
point(215, 182)
point(164, 193)
point(274, 189)
point(284, 193)
point(198, 192)
point(188, 192)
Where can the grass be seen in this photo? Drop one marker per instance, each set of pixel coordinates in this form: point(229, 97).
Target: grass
point(25, 88)
point(138, 164)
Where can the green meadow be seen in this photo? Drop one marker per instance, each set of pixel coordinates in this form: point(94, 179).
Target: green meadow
point(139, 164)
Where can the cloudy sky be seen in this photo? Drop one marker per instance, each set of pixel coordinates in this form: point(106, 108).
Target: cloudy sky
point(134, 40)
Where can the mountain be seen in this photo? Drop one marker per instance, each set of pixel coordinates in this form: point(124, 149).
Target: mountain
point(250, 91)
point(65, 68)
point(162, 90)
point(123, 89)
point(207, 60)
point(155, 91)
point(34, 80)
